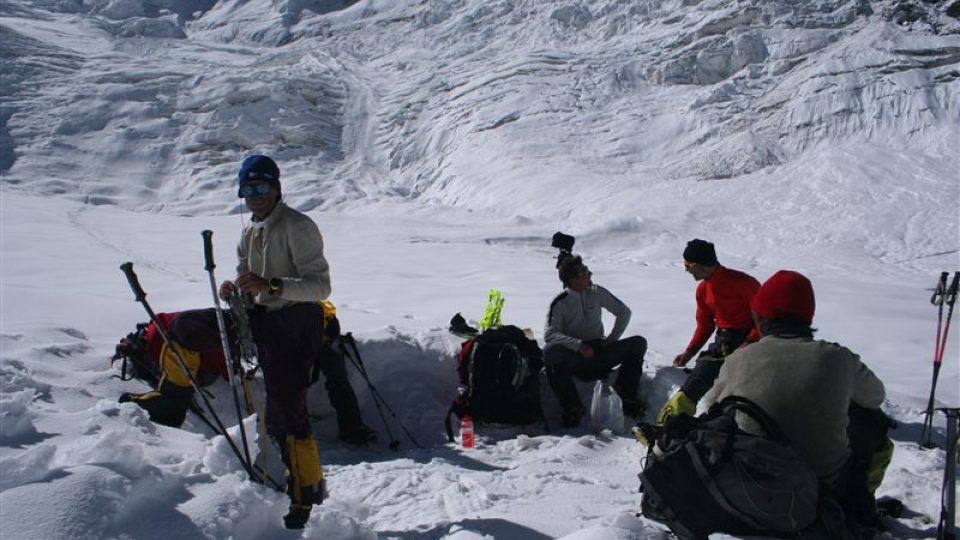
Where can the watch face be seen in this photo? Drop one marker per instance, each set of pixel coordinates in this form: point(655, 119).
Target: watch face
point(274, 283)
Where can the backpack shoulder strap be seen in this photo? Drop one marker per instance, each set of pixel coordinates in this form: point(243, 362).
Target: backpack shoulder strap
point(465, 360)
point(772, 431)
point(447, 424)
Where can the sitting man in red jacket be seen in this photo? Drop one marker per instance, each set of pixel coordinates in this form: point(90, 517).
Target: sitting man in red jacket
point(723, 304)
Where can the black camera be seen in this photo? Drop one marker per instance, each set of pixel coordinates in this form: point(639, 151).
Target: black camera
point(563, 242)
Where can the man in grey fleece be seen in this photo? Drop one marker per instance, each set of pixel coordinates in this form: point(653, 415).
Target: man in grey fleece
point(812, 389)
point(576, 345)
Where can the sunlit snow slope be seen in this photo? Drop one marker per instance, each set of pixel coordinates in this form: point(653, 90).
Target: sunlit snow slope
point(655, 120)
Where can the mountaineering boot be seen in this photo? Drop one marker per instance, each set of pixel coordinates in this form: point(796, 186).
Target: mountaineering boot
point(890, 507)
point(297, 516)
point(632, 406)
point(168, 404)
point(634, 409)
point(360, 435)
point(571, 407)
point(571, 418)
point(305, 484)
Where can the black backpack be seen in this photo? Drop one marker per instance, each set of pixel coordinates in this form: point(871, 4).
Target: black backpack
point(137, 362)
point(705, 475)
point(499, 379)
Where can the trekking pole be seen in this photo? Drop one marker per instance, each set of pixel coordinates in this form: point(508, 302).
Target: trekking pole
point(947, 526)
point(209, 265)
point(357, 362)
point(141, 296)
point(248, 355)
point(262, 436)
point(261, 468)
point(941, 295)
point(237, 302)
point(394, 442)
point(937, 300)
point(950, 299)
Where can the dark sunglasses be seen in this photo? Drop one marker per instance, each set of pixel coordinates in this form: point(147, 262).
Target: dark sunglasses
point(255, 191)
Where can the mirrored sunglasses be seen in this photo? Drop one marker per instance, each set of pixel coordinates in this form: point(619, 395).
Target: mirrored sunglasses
point(254, 191)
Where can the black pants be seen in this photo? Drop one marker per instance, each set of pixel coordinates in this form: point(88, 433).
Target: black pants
point(331, 364)
point(563, 364)
point(288, 341)
point(710, 361)
point(867, 432)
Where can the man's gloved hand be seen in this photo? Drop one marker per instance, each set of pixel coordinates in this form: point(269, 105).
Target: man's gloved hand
point(646, 434)
point(682, 359)
point(678, 404)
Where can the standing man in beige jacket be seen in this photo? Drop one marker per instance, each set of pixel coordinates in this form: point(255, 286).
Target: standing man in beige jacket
point(282, 266)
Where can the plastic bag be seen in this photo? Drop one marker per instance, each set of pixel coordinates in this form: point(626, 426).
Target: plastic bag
point(606, 409)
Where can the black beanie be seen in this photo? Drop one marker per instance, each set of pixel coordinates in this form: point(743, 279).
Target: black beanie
point(700, 252)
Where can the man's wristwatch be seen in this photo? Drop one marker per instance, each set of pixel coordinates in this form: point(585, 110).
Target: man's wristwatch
point(275, 285)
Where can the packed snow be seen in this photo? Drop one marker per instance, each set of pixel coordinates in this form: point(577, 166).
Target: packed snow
point(439, 144)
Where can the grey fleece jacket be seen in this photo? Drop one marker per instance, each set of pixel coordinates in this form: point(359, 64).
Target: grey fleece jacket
point(286, 245)
point(806, 386)
point(576, 317)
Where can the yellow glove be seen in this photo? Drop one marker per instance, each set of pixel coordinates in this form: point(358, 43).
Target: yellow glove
point(678, 404)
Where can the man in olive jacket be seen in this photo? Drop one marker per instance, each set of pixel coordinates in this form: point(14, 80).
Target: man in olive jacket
point(809, 387)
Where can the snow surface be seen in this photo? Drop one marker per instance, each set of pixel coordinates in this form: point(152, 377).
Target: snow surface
point(439, 144)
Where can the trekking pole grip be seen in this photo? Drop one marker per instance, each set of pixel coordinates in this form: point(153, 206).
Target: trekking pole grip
point(940, 289)
point(950, 297)
point(208, 250)
point(127, 269)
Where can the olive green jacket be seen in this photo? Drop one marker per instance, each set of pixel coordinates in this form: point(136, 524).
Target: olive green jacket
point(806, 386)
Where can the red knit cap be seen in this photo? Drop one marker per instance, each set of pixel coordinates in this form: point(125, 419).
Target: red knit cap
point(786, 295)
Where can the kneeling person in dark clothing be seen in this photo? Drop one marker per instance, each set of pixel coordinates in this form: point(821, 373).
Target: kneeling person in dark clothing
point(577, 347)
point(342, 397)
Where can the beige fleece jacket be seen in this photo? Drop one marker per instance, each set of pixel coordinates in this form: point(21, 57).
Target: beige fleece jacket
point(806, 386)
point(286, 245)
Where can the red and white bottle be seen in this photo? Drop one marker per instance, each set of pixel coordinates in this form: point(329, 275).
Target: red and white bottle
point(466, 431)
